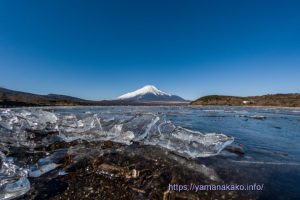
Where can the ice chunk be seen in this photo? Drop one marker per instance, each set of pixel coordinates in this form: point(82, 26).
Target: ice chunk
point(13, 181)
point(15, 189)
point(9, 169)
point(47, 164)
point(187, 142)
point(16, 126)
point(37, 171)
point(86, 127)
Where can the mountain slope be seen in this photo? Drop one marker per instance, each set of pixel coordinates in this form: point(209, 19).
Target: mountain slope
point(149, 93)
point(283, 100)
point(12, 98)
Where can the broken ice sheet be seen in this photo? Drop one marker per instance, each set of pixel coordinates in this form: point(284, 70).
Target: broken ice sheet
point(148, 128)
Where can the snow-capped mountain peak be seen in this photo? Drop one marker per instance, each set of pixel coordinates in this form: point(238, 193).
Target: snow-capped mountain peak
point(146, 90)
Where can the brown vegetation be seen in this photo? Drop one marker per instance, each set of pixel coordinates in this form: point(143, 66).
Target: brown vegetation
point(283, 100)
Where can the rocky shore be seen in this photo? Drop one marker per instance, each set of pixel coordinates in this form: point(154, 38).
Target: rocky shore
point(107, 170)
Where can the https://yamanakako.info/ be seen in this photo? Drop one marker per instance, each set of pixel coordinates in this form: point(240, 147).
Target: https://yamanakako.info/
point(227, 187)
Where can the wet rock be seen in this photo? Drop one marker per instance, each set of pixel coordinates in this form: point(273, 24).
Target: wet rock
point(237, 149)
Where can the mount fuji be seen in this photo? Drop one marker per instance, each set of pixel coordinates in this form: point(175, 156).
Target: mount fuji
point(146, 96)
point(150, 93)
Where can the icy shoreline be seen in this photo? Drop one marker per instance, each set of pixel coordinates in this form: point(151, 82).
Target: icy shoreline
point(37, 128)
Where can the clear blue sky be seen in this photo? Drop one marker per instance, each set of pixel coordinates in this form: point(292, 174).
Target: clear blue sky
point(101, 49)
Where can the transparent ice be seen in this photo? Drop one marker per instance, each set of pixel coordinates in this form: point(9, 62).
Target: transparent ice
point(148, 128)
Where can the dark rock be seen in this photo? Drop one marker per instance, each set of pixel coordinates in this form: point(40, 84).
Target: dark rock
point(234, 148)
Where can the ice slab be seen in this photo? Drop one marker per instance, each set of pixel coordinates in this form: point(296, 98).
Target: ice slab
point(17, 127)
